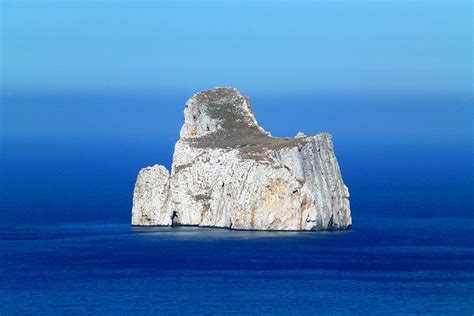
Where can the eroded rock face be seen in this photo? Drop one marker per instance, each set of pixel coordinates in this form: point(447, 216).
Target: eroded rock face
point(229, 172)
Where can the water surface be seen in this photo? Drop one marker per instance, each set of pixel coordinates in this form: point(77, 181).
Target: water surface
point(393, 266)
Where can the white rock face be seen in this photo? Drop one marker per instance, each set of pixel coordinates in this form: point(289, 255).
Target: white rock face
point(228, 172)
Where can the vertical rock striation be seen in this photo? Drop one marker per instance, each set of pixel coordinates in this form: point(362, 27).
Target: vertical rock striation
point(229, 172)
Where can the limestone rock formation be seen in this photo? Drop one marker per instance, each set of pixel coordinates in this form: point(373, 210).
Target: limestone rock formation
point(229, 172)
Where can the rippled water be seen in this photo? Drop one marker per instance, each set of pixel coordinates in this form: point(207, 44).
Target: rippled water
point(384, 266)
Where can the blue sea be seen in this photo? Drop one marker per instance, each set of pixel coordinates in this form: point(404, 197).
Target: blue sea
point(403, 266)
point(66, 246)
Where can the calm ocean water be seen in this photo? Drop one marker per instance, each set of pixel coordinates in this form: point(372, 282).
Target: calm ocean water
point(66, 246)
point(382, 266)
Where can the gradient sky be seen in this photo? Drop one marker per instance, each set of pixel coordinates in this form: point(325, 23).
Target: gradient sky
point(258, 46)
point(397, 70)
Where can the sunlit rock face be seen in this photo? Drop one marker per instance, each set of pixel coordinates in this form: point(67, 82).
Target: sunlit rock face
point(229, 172)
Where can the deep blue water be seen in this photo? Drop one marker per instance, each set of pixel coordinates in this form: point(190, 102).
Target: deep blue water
point(382, 266)
point(66, 183)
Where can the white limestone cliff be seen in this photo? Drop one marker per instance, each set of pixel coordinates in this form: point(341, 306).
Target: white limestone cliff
point(229, 172)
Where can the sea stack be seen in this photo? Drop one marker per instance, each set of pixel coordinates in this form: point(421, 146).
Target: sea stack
point(228, 172)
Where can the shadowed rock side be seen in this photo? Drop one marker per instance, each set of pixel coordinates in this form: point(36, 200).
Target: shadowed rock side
point(229, 172)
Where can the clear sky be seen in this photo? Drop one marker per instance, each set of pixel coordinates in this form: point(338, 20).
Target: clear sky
point(259, 46)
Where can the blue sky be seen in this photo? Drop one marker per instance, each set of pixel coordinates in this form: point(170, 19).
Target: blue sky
point(304, 47)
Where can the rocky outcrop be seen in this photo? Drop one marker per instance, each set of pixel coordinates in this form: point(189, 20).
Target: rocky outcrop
point(229, 172)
